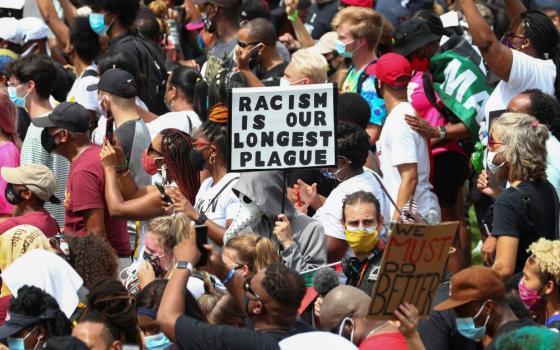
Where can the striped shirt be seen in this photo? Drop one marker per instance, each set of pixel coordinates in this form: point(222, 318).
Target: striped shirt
point(32, 152)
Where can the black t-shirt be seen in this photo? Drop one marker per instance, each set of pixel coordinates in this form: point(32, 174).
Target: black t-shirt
point(527, 221)
point(319, 18)
point(193, 334)
point(507, 328)
point(271, 77)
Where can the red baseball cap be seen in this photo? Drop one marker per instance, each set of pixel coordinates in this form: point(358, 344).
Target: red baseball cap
point(392, 69)
point(360, 3)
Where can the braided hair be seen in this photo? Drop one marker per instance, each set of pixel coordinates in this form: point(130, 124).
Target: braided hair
point(545, 39)
point(110, 299)
point(176, 146)
point(32, 301)
point(215, 127)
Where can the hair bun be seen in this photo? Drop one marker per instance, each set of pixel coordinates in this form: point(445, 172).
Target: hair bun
point(219, 114)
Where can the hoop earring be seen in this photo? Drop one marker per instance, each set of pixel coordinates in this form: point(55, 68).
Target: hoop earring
point(212, 159)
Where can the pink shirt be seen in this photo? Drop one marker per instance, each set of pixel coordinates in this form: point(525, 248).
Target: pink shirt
point(428, 112)
point(9, 157)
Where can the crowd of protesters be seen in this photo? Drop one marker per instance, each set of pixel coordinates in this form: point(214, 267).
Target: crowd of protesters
point(122, 225)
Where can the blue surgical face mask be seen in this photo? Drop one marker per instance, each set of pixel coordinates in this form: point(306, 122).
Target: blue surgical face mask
point(341, 48)
point(16, 343)
point(19, 343)
point(157, 342)
point(16, 100)
point(467, 328)
point(97, 23)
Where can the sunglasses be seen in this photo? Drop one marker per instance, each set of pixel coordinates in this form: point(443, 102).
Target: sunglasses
point(245, 45)
point(152, 150)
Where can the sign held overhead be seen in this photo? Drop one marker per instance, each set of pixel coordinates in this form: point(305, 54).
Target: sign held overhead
point(274, 128)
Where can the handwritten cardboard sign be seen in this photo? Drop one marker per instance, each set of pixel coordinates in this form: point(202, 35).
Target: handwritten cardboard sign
point(412, 268)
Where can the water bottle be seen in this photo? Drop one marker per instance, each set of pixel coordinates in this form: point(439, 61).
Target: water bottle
point(433, 217)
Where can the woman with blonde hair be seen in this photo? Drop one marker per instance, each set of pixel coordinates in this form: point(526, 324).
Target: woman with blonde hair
point(249, 253)
point(162, 234)
point(538, 288)
point(528, 209)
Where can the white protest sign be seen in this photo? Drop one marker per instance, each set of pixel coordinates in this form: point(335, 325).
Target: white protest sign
point(272, 128)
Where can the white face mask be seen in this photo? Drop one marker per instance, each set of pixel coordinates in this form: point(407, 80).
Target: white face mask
point(249, 213)
point(493, 168)
point(341, 328)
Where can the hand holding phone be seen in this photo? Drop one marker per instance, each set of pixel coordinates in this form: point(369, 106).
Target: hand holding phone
point(201, 240)
point(161, 189)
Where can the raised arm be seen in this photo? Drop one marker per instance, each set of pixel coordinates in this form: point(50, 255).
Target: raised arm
point(173, 301)
point(57, 25)
point(498, 57)
point(514, 8)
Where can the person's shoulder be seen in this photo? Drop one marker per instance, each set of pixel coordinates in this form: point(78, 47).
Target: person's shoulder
point(526, 59)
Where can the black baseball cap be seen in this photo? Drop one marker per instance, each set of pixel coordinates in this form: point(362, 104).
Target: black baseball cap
point(16, 322)
point(411, 35)
point(67, 115)
point(117, 82)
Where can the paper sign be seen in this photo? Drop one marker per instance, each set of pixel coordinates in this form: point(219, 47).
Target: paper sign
point(273, 128)
point(412, 268)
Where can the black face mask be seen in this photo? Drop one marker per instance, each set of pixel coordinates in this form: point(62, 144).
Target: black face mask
point(154, 261)
point(13, 195)
point(48, 141)
point(196, 159)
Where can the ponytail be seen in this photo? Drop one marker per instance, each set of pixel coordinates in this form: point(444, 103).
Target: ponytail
point(254, 251)
point(193, 86)
point(265, 253)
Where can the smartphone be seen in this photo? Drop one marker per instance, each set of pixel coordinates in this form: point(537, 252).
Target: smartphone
point(201, 240)
point(109, 130)
point(162, 191)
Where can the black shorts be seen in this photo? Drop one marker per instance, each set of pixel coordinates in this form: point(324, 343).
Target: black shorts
point(451, 169)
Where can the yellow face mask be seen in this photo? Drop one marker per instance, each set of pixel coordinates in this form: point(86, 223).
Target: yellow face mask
point(362, 241)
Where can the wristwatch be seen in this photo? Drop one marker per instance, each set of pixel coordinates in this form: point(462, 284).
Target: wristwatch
point(442, 132)
point(184, 265)
point(201, 219)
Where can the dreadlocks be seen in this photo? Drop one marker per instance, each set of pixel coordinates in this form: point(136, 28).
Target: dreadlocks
point(176, 146)
point(110, 299)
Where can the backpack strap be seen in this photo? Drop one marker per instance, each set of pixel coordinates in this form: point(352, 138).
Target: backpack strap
point(89, 73)
point(365, 74)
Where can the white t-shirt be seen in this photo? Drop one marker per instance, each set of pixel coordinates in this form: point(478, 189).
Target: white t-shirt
point(78, 93)
point(330, 214)
point(399, 144)
point(186, 121)
point(527, 72)
point(218, 201)
point(553, 162)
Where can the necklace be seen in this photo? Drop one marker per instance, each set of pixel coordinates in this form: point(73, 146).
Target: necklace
point(377, 328)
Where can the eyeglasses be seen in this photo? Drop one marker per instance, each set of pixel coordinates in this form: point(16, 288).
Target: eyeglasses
point(248, 289)
point(244, 45)
point(238, 267)
point(152, 150)
point(492, 142)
